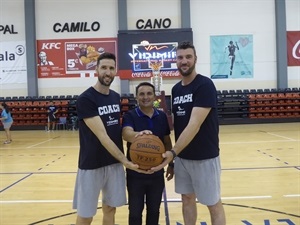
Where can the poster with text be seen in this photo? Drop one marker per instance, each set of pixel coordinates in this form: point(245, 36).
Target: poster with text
point(293, 48)
point(71, 57)
point(13, 62)
point(231, 56)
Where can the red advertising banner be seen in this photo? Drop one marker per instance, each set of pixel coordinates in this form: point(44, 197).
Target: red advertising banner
point(293, 48)
point(71, 57)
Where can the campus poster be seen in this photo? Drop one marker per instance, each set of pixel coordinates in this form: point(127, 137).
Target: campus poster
point(71, 57)
point(13, 62)
point(231, 56)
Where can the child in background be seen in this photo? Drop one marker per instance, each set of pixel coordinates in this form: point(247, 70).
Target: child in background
point(7, 121)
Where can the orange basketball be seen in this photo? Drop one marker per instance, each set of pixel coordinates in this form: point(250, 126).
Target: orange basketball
point(146, 151)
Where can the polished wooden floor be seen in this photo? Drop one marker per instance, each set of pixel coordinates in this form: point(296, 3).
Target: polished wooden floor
point(260, 178)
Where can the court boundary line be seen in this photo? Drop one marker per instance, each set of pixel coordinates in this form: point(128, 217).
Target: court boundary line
point(225, 204)
point(168, 199)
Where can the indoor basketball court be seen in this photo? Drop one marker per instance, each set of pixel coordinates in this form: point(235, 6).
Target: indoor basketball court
point(260, 178)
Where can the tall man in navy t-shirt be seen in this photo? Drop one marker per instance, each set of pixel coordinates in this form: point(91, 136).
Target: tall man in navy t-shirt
point(101, 148)
point(197, 167)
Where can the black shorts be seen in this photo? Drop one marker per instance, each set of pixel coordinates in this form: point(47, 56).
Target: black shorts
point(51, 118)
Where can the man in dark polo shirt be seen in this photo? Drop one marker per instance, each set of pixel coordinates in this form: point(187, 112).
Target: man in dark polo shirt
point(143, 120)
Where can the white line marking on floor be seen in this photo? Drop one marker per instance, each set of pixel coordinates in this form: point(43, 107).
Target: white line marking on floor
point(276, 135)
point(40, 143)
point(291, 196)
point(255, 142)
point(169, 199)
point(246, 197)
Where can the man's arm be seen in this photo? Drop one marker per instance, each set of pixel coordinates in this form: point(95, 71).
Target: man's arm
point(129, 134)
point(97, 127)
point(56, 111)
point(167, 142)
point(198, 115)
point(4, 116)
point(168, 147)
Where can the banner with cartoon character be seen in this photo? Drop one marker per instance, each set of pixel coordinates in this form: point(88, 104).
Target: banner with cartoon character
point(231, 56)
point(71, 57)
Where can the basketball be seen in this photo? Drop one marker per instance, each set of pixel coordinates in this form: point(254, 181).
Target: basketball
point(146, 151)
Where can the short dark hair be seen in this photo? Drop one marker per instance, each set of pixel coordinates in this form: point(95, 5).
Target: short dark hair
point(106, 55)
point(186, 45)
point(144, 84)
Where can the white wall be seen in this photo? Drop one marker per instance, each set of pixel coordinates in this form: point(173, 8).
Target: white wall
point(103, 11)
point(215, 17)
point(12, 13)
point(208, 17)
point(154, 9)
point(50, 12)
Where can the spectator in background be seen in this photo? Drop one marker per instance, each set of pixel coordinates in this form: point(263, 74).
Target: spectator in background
point(52, 110)
point(7, 121)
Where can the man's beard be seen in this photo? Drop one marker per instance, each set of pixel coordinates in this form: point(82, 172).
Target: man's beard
point(101, 80)
point(187, 72)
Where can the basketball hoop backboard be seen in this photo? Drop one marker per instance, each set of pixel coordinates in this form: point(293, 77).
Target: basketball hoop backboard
point(165, 52)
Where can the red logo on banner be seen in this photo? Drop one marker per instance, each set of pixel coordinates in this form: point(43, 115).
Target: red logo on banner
point(293, 48)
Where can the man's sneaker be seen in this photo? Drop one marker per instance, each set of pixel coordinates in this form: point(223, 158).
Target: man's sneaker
point(6, 142)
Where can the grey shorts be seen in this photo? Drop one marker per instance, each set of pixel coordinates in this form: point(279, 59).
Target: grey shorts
point(89, 183)
point(201, 177)
point(7, 125)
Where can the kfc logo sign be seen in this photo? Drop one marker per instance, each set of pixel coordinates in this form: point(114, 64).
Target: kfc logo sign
point(293, 48)
point(51, 45)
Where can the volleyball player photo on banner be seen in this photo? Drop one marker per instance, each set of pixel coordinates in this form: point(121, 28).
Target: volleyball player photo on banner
point(231, 56)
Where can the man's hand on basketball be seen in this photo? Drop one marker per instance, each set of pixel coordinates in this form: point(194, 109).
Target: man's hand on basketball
point(130, 165)
point(141, 133)
point(168, 157)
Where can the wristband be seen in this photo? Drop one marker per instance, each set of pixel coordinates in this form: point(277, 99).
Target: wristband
point(173, 153)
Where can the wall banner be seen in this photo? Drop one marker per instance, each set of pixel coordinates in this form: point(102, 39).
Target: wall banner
point(293, 48)
point(13, 62)
point(71, 57)
point(231, 56)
